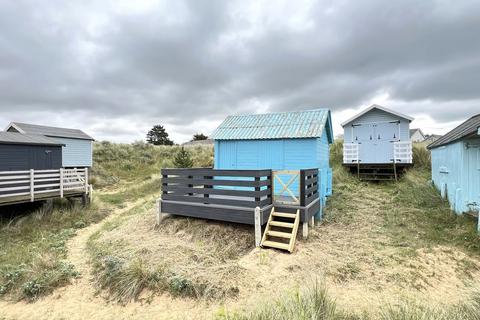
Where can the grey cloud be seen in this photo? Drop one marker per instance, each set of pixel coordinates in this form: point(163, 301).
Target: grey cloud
point(188, 61)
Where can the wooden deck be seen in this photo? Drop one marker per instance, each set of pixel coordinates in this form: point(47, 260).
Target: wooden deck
point(36, 185)
point(233, 195)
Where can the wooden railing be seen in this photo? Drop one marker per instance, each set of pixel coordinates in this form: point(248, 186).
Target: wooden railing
point(402, 152)
point(237, 188)
point(308, 186)
point(240, 196)
point(33, 184)
point(351, 153)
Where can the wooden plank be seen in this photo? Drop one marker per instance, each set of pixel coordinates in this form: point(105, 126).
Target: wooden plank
point(14, 172)
point(216, 173)
point(47, 180)
point(284, 215)
point(276, 245)
point(14, 182)
point(14, 194)
point(279, 234)
point(224, 192)
point(15, 177)
point(281, 224)
point(49, 190)
point(209, 212)
point(40, 186)
point(213, 182)
point(14, 188)
point(48, 175)
point(239, 203)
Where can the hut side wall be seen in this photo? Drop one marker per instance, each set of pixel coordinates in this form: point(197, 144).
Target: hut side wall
point(26, 157)
point(456, 172)
point(77, 152)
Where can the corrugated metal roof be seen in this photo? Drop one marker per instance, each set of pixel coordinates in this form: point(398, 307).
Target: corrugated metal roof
point(297, 124)
point(50, 131)
point(30, 139)
point(469, 127)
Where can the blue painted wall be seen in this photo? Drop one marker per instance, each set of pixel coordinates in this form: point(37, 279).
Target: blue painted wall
point(375, 133)
point(278, 154)
point(76, 152)
point(456, 173)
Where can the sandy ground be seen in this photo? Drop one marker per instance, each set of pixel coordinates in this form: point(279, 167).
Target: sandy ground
point(362, 272)
point(81, 301)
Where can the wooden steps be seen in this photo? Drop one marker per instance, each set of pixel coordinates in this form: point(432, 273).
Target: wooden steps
point(281, 230)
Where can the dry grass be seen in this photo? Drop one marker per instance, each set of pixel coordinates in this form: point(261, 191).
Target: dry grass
point(185, 257)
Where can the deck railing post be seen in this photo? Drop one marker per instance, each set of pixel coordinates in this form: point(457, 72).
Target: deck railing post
point(61, 182)
point(190, 185)
point(206, 186)
point(258, 227)
point(270, 187)
point(32, 185)
point(164, 184)
point(86, 180)
point(257, 189)
point(302, 188)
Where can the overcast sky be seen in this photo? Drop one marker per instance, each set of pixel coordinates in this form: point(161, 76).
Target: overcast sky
point(116, 68)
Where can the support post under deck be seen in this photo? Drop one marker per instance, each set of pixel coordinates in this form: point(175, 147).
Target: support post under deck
point(258, 227)
point(159, 212)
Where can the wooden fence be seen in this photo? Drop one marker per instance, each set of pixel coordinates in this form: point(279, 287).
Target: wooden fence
point(237, 188)
point(31, 185)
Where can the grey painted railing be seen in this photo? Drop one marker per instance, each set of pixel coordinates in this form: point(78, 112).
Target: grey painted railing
point(237, 188)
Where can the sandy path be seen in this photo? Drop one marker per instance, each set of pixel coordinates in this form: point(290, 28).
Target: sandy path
point(80, 301)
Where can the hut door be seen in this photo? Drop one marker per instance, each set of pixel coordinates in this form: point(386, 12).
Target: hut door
point(386, 134)
point(48, 159)
point(364, 134)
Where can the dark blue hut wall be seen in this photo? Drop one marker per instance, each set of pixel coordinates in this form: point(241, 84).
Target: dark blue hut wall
point(26, 157)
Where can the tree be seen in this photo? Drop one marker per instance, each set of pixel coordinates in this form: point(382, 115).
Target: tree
point(183, 159)
point(158, 136)
point(199, 136)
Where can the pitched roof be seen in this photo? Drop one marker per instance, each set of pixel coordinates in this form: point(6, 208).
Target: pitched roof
point(49, 131)
point(206, 142)
point(469, 127)
point(296, 124)
point(412, 132)
point(376, 106)
point(29, 139)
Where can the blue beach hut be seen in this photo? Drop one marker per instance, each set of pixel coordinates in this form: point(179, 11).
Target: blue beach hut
point(278, 141)
point(377, 143)
point(456, 166)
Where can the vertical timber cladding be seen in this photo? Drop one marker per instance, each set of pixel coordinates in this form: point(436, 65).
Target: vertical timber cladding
point(275, 154)
point(26, 157)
